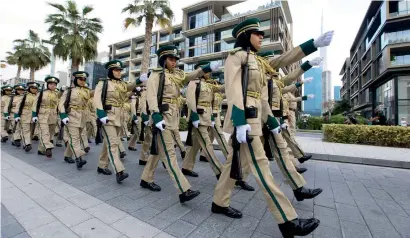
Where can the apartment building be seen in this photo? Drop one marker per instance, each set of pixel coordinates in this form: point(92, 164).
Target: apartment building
point(206, 34)
point(380, 62)
point(345, 73)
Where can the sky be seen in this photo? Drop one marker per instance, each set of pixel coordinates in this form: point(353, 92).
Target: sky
point(342, 16)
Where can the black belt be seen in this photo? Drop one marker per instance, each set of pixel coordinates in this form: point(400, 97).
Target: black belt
point(138, 114)
point(285, 117)
point(292, 109)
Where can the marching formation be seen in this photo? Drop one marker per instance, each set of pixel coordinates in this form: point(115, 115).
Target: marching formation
point(260, 118)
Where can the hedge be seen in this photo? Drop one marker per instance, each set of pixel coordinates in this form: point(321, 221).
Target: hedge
point(393, 136)
point(183, 124)
point(315, 123)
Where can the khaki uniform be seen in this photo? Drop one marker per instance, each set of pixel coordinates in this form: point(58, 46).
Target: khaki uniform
point(25, 118)
point(173, 82)
point(47, 118)
point(5, 100)
point(91, 122)
point(77, 113)
point(145, 150)
point(135, 114)
point(116, 98)
point(175, 133)
point(14, 110)
point(200, 135)
point(253, 153)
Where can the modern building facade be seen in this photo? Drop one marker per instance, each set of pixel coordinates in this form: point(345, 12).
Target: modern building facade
point(96, 72)
point(327, 90)
point(313, 106)
point(380, 62)
point(345, 73)
point(206, 34)
point(336, 93)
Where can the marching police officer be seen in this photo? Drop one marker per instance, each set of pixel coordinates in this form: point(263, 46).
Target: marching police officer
point(6, 92)
point(19, 90)
point(46, 115)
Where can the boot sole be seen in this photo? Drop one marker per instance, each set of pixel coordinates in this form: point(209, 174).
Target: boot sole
point(301, 199)
point(149, 188)
point(316, 225)
point(222, 213)
point(189, 199)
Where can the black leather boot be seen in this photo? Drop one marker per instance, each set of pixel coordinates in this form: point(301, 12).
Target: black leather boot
point(104, 171)
point(189, 173)
point(89, 141)
point(188, 195)
point(304, 158)
point(121, 176)
point(163, 165)
point(142, 162)
point(69, 160)
point(298, 227)
point(58, 144)
point(17, 143)
point(4, 139)
point(183, 153)
point(122, 154)
point(301, 170)
point(244, 186)
point(132, 149)
point(306, 193)
point(227, 211)
point(35, 138)
point(270, 159)
point(80, 162)
point(27, 148)
point(48, 153)
point(203, 158)
point(151, 186)
point(41, 153)
point(87, 149)
point(218, 176)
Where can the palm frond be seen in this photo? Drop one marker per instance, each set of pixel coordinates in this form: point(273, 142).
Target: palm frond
point(87, 9)
point(58, 6)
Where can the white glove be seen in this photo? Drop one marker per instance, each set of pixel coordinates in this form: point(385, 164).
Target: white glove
point(17, 119)
point(138, 89)
point(35, 119)
point(7, 117)
point(133, 97)
point(323, 40)
point(136, 121)
point(213, 124)
point(316, 61)
point(276, 130)
point(195, 123)
point(307, 80)
point(215, 65)
point(241, 132)
point(311, 96)
point(66, 120)
point(284, 126)
point(159, 125)
point(143, 77)
point(104, 120)
point(146, 123)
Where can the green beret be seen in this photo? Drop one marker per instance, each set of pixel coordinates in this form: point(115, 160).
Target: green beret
point(19, 86)
point(163, 52)
point(32, 84)
point(266, 54)
point(80, 74)
point(51, 79)
point(9, 87)
point(201, 63)
point(251, 24)
point(114, 64)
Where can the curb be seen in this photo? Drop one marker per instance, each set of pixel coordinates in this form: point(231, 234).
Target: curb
point(355, 160)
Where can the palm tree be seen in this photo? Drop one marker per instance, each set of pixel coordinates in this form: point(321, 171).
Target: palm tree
point(74, 33)
point(157, 11)
point(13, 59)
point(33, 53)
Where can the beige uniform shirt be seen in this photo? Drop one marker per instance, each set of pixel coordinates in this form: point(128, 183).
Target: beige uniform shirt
point(25, 116)
point(78, 111)
point(48, 107)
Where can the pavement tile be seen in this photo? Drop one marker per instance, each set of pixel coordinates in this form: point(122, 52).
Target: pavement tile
point(84, 200)
point(11, 230)
point(95, 228)
point(210, 228)
point(106, 213)
point(159, 223)
point(71, 215)
point(180, 229)
point(400, 223)
point(243, 227)
point(349, 213)
point(382, 229)
point(19, 204)
point(54, 229)
point(327, 216)
point(354, 230)
point(197, 215)
point(7, 220)
point(133, 227)
point(379, 194)
point(255, 208)
point(22, 235)
point(34, 218)
point(324, 231)
point(53, 202)
point(145, 213)
point(391, 207)
point(162, 235)
point(260, 235)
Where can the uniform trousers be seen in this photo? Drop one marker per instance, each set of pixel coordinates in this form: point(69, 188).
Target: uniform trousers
point(253, 154)
point(110, 151)
point(167, 155)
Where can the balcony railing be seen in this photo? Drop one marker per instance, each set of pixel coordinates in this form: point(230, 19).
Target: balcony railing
point(122, 50)
point(139, 46)
point(395, 38)
point(400, 60)
point(124, 59)
point(229, 16)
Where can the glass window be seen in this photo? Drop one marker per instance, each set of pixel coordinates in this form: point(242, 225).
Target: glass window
point(403, 87)
point(404, 110)
point(385, 97)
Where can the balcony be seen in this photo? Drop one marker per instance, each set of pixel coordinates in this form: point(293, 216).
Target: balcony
point(123, 50)
point(124, 59)
point(136, 68)
point(400, 60)
point(395, 38)
point(139, 46)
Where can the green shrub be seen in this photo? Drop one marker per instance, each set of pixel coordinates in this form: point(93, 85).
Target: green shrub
point(315, 123)
point(393, 136)
point(183, 124)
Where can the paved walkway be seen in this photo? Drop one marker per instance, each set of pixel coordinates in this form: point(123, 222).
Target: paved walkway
point(350, 153)
point(357, 201)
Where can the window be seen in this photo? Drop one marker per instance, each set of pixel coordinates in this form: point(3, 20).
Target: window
point(199, 19)
point(217, 36)
point(217, 47)
point(385, 97)
point(401, 57)
point(154, 39)
point(404, 110)
point(403, 87)
point(153, 50)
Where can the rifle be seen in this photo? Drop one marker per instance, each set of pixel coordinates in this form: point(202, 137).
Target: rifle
point(155, 130)
point(133, 125)
point(236, 168)
point(20, 111)
point(67, 111)
point(190, 125)
point(98, 136)
point(265, 130)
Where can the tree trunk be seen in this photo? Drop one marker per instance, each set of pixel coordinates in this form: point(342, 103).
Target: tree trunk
point(18, 72)
point(147, 45)
point(32, 71)
point(74, 67)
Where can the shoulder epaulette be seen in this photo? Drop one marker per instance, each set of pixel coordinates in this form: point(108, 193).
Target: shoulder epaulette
point(233, 51)
point(157, 69)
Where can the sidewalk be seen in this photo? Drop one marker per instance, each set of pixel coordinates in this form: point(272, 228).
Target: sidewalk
point(37, 204)
point(348, 153)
